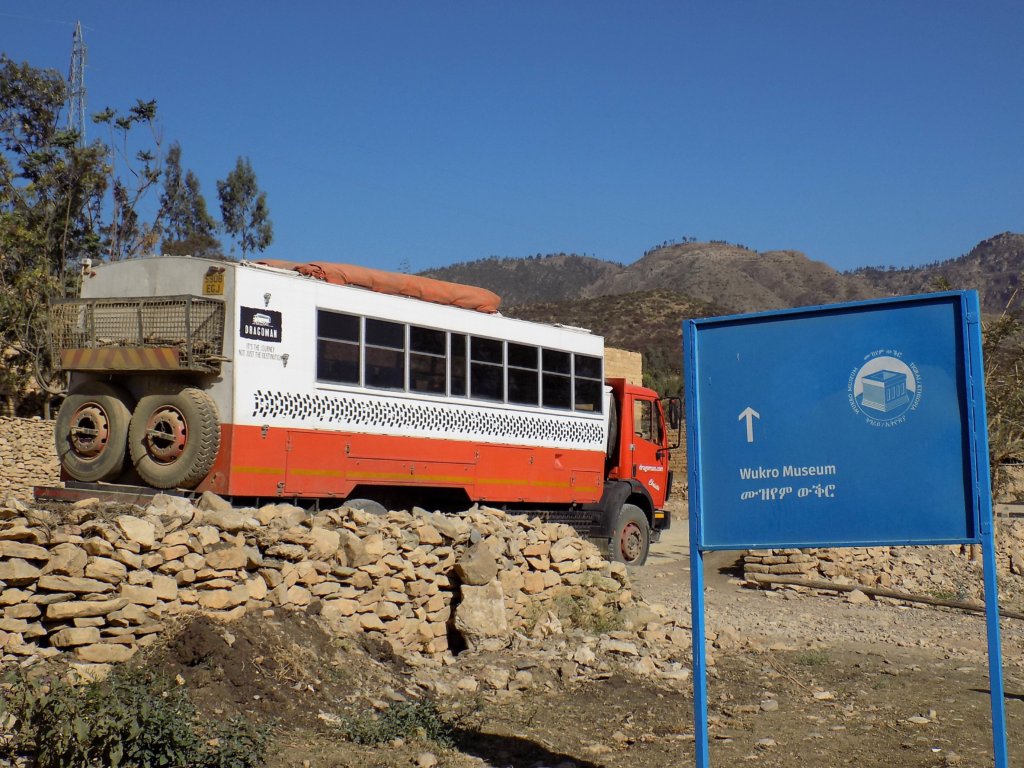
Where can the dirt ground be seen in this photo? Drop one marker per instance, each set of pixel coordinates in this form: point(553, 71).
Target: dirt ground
point(805, 680)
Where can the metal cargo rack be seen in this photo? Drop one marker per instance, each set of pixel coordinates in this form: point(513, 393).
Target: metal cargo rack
point(138, 334)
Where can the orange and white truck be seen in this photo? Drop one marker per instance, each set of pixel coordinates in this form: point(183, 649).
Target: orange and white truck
point(323, 382)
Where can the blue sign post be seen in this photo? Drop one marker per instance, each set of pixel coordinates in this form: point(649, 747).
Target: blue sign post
point(859, 424)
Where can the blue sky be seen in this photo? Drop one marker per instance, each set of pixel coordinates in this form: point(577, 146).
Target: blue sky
point(387, 133)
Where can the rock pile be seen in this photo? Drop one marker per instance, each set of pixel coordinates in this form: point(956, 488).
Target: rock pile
point(98, 584)
point(787, 562)
point(27, 456)
point(950, 571)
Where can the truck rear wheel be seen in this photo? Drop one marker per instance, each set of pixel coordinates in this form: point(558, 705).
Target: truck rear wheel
point(91, 432)
point(631, 540)
point(174, 439)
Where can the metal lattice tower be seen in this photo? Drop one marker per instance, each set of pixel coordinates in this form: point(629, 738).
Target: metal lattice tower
point(76, 85)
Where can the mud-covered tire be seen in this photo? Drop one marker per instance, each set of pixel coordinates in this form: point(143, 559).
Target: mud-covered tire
point(631, 540)
point(91, 432)
point(367, 505)
point(173, 439)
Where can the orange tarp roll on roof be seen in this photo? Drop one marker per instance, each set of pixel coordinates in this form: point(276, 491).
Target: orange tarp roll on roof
point(396, 284)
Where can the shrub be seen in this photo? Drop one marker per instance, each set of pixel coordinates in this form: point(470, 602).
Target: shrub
point(133, 718)
point(405, 720)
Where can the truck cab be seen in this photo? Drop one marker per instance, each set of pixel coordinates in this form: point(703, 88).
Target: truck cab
point(639, 480)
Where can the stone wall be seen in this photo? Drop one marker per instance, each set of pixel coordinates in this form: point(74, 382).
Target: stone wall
point(27, 456)
point(952, 571)
point(97, 584)
point(623, 364)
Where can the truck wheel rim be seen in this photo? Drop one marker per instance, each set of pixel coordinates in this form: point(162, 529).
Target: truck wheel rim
point(89, 431)
point(631, 542)
point(166, 435)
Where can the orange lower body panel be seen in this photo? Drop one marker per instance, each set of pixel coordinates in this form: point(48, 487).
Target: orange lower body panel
point(310, 463)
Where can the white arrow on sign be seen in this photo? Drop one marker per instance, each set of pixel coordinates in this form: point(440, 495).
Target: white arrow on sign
point(749, 414)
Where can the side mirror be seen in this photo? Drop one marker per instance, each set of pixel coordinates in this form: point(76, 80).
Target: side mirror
point(674, 417)
point(675, 413)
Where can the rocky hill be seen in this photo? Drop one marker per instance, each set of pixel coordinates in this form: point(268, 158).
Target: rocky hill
point(733, 278)
point(993, 268)
point(736, 278)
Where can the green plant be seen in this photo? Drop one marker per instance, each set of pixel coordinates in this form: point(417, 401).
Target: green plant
point(811, 658)
point(582, 613)
point(405, 720)
point(238, 743)
point(133, 718)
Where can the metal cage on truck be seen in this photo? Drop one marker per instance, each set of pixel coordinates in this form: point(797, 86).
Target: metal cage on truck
point(152, 333)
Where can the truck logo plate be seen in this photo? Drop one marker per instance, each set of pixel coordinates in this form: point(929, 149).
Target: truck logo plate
point(262, 324)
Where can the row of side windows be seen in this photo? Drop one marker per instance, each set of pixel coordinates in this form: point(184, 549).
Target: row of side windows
point(381, 354)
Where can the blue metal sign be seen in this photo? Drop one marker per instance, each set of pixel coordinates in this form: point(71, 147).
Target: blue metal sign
point(859, 424)
point(834, 426)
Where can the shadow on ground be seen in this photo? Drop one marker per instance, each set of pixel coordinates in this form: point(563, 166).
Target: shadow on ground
point(512, 751)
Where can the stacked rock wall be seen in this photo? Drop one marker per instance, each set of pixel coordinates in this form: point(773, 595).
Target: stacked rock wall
point(782, 562)
point(952, 571)
point(623, 364)
point(27, 456)
point(99, 584)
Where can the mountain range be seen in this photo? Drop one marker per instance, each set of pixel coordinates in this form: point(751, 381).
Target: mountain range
point(641, 306)
point(736, 279)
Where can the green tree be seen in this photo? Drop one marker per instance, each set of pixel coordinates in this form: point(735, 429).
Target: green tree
point(51, 190)
point(61, 202)
point(186, 225)
point(124, 235)
point(243, 209)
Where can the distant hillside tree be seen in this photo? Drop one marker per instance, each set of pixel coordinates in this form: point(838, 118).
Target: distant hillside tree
point(243, 209)
point(1003, 353)
point(186, 224)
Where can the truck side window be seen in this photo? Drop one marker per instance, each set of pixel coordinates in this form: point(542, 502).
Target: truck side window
point(427, 360)
point(587, 382)
point(384, 354)
point(523, 385)
point(487, 369)
point(556, 379)
point(337, 347)
point(458, 370)
point(643, 420)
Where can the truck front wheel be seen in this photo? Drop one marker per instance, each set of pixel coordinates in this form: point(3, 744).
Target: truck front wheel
point(631, 540)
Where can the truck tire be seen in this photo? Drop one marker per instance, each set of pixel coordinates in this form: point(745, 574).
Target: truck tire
point(174, 439)
point(367, 505)
point(91, 432)
point(631, 540)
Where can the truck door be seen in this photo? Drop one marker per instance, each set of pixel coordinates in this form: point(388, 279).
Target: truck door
point(649, 458)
